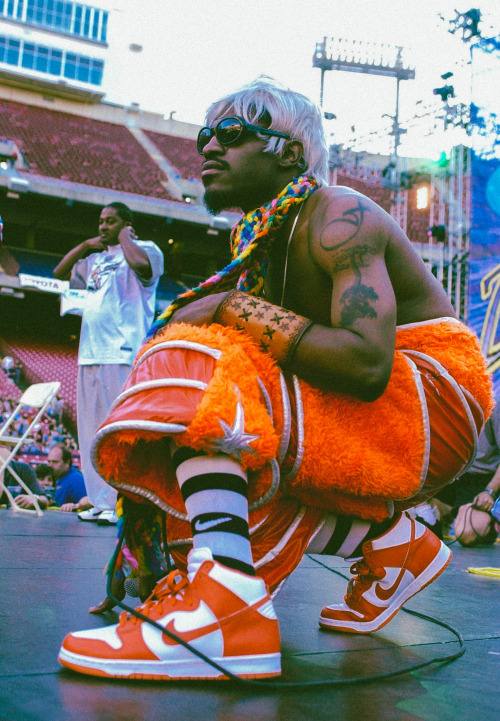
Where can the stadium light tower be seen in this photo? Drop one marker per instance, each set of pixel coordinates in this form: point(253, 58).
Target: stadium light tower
point(358, 56)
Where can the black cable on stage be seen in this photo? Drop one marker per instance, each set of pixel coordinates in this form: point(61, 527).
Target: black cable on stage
point(278, 685)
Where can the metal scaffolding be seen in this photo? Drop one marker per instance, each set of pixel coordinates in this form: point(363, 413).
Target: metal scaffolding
point(450, 206)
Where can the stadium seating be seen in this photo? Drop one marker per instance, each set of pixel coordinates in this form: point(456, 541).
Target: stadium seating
point(45, 361)
point(81, 150)
point(180, 152)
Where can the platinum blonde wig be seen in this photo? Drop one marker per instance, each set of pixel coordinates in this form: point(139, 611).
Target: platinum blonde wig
point(264, 101)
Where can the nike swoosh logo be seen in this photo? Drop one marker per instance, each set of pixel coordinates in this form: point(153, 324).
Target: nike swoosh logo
point(187, 636)
point(205, 525)
point(385, 594)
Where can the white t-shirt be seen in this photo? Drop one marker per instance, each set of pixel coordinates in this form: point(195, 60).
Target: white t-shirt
point(119, 308)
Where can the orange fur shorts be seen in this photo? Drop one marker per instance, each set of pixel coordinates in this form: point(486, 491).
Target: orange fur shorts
point(213, 389)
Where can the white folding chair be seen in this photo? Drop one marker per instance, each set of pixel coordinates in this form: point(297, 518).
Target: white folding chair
point(37, 398)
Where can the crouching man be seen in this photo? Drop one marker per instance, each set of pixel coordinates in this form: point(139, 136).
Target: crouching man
point(299, 400)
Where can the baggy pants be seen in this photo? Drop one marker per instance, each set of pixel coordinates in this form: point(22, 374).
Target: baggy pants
point(307, 453)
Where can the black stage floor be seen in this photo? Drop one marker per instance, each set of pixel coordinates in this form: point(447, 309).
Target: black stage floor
point(51, 571)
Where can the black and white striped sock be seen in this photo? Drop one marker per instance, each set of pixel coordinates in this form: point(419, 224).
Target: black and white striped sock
point(214, 489)
point(344, 535)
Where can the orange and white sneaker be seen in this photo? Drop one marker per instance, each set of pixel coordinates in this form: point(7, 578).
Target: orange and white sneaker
point(224, 614)
point(394, 567)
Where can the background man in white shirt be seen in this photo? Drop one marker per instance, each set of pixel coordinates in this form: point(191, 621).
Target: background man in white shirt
point(121, 275)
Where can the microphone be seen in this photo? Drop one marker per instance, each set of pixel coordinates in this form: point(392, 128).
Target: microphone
point(132, 587)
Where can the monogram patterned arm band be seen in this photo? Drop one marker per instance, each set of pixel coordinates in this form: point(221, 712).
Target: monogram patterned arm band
point(278, 331)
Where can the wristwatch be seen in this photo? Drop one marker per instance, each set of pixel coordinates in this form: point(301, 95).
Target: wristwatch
point(488, 490)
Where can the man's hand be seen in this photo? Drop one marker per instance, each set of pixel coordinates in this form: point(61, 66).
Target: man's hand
point(25, 501)
point(483, 501)
point(136, 257)
point(68, 507)
point(82, 505)
point(63, 269)
point(127, 233)
point(94, 245)
point(199, 312)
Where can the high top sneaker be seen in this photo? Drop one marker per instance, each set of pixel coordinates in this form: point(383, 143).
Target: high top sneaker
point(394, 567)
point(225, 614)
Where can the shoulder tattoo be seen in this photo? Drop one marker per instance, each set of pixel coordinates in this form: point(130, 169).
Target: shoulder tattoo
point(347, 226)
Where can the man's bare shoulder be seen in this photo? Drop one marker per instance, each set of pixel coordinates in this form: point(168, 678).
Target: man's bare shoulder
point(329, 201)
point(339, 218)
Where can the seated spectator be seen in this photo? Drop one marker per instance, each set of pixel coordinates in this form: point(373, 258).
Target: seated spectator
point(55, 409)
point(6, 408)
point(26, 474)
point(64, 485)
point(47, 482)
point(471, 497)
point(12, 368)
point(70, 493)
point(7, 363)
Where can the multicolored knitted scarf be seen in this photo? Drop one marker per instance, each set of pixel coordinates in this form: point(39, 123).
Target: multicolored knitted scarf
point(251, 240)
point(141, 553)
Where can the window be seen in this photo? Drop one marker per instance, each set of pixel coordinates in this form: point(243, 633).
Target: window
point(28, 59)
point(51, 61)
point(70, 66)
point(96, 71)
point(12, 8)
point(87, 70)
point(9, 50)
point(95, 25)
point(86, 23)
point(104, 27)
point(43, 59)
point(55, 62)
point(65, 17)
point(78, 20)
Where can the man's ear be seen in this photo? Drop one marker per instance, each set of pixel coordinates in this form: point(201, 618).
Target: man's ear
point(293, 153)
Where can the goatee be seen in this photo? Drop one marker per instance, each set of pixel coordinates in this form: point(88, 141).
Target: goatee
point(217, 201)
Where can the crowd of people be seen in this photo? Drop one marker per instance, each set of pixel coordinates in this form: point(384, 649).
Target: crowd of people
point(45, 462)
point(49, 431)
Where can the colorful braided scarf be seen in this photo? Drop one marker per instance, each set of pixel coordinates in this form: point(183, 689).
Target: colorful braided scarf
point(251, 240)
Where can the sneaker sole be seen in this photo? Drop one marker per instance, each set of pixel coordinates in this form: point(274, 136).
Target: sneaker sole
point(435, 569)
point(261, 666)
point(94, 519)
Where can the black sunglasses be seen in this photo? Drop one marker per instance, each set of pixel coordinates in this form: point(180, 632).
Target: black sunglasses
point(229, 130)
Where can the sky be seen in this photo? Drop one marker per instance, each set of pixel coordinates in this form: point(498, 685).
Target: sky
point(195, 51)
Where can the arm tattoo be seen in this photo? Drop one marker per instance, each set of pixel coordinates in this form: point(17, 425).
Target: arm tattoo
point(352, 258)
point(354, 218)
point(355, 303)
